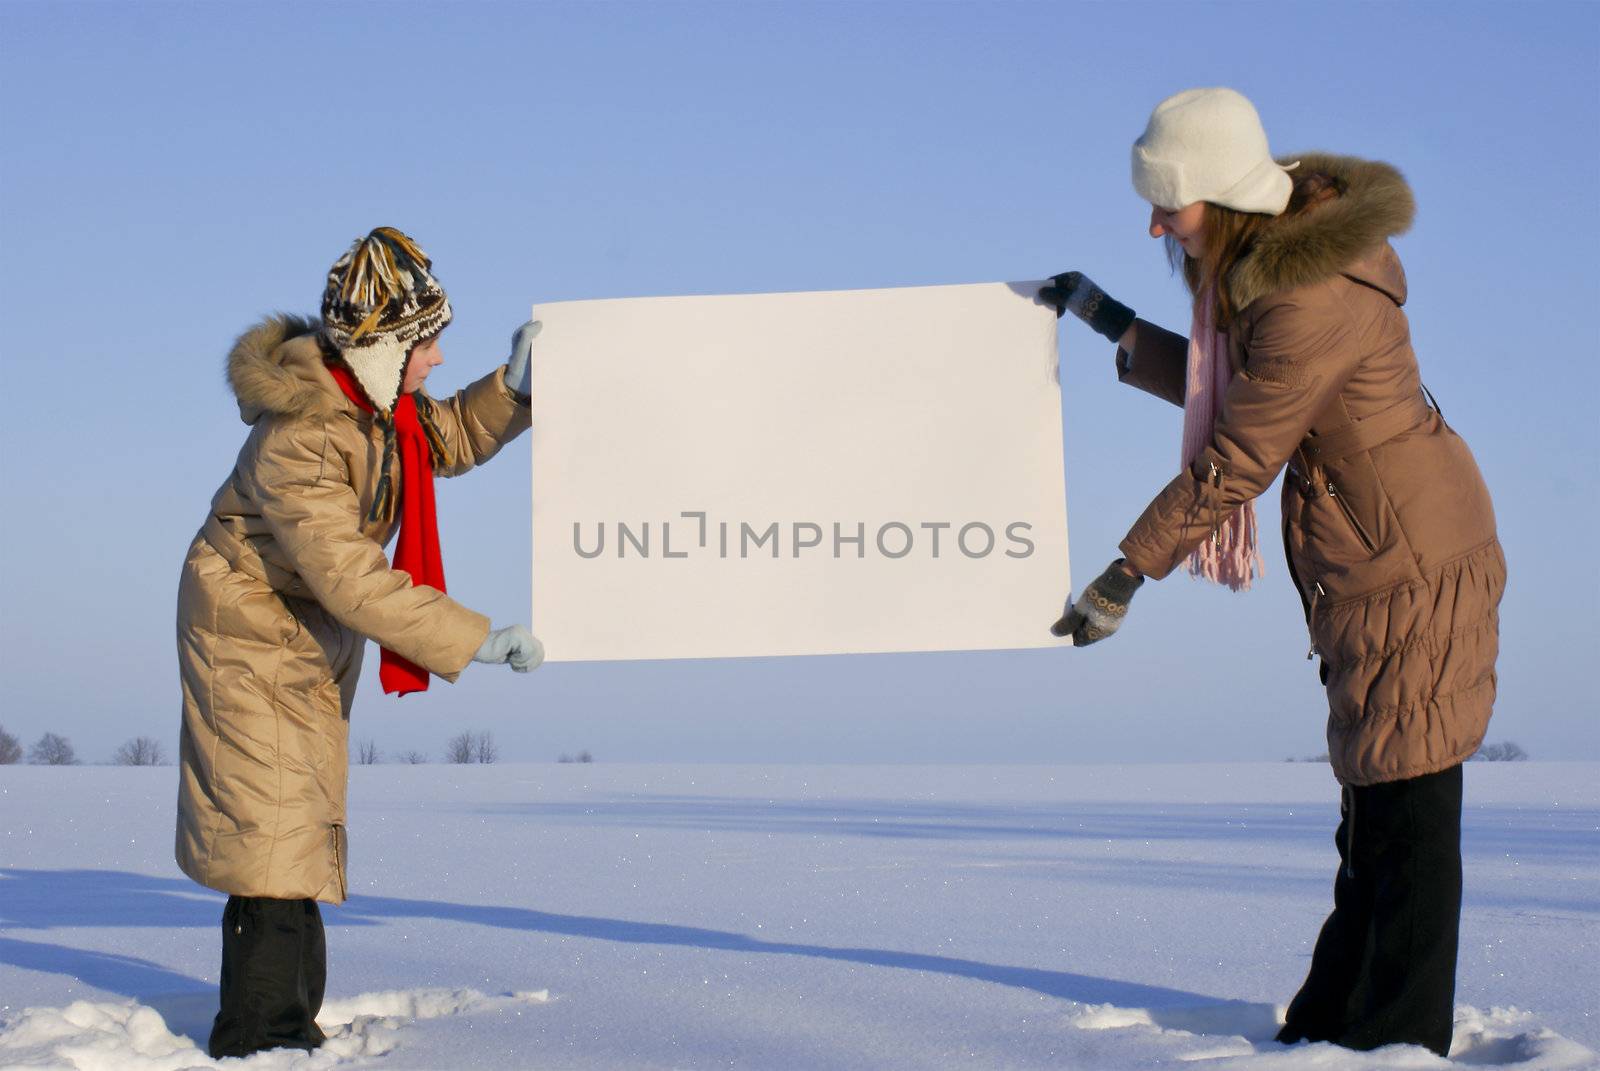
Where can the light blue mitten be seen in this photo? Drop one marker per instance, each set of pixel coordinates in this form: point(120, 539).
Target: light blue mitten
point(519, 368)
point(513, 644)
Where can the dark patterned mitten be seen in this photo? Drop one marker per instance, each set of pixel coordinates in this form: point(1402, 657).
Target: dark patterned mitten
point(1100, 609)
point(1076, 293)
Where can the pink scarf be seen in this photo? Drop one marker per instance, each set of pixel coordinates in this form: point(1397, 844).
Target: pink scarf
point(1233, 554)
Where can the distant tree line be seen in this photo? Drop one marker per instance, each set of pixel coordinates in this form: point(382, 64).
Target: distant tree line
point(471, 747)
point(1508, 751)
point(1503, 752)
point(464, 748)
point(52, 749)
point(10, 749)
point(141, 751)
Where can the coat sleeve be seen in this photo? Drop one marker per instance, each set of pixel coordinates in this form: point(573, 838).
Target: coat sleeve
point(1158, 362)
point(1301, 352)
point(304, 495)
point(477, 421)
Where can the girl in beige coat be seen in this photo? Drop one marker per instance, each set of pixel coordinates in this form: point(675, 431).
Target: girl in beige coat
point(283, 585)
point(1300, 363)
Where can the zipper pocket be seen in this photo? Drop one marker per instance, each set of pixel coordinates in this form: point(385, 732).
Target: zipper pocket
point(1350, 515)
point(1311, 620)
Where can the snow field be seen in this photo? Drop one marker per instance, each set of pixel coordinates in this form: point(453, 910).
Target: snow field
point(793, 917)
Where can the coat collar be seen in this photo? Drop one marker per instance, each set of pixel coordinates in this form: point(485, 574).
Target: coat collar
point(276, 367)
point(1345, 236)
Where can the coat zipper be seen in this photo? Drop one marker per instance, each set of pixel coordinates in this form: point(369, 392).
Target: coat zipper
point(338, 861)
point(1350, 515)
point(1311, 619)
point(1350, 834)
point(1215, 481)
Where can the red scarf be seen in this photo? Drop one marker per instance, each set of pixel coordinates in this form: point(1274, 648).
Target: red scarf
point(417, 550)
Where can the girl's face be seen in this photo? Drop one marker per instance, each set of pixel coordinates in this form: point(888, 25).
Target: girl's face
point(425, 357)
point(1184, 225)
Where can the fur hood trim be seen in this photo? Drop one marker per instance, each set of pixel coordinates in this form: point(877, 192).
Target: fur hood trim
point(275, 367)
point(1327, 239)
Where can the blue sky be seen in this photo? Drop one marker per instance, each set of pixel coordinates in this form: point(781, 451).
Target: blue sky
point(170, 172)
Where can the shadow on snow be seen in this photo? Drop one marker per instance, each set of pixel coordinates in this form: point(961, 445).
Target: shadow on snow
point(48, 899)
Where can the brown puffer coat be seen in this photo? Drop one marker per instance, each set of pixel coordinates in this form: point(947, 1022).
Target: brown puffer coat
point(1388, 527)
point(284, 582)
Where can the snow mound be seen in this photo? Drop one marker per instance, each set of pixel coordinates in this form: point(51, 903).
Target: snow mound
point(1239, 1036)
point(1506, 1037)
point(420, 1004)
point(85, 1036)
point(129, 1036)
point(1230, 1018)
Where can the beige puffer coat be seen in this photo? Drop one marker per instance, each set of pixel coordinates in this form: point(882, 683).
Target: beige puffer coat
point(1388, 527)
point(284, 583)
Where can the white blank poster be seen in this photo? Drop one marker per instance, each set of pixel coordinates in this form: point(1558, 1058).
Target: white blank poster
point(791, 474)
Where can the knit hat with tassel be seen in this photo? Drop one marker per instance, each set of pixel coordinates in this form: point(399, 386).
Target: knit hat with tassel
point(380, 301)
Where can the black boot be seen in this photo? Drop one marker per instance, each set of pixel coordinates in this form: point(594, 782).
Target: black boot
point(1384, 968)
point(274, 968)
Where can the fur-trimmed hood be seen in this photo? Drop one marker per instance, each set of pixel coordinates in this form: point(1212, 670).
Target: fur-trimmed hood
point(1344, 236)
point(276, 367)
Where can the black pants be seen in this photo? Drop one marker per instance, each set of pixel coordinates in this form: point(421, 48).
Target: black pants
point(1384, 969)
point(274, 967)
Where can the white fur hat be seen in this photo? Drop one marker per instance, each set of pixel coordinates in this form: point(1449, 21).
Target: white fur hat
point(1208, 145)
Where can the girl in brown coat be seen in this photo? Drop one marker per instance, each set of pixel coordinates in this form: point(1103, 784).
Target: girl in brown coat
point(283, 585)
point(1300, 362)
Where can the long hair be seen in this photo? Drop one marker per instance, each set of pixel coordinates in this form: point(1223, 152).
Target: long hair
point(1227, 236)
